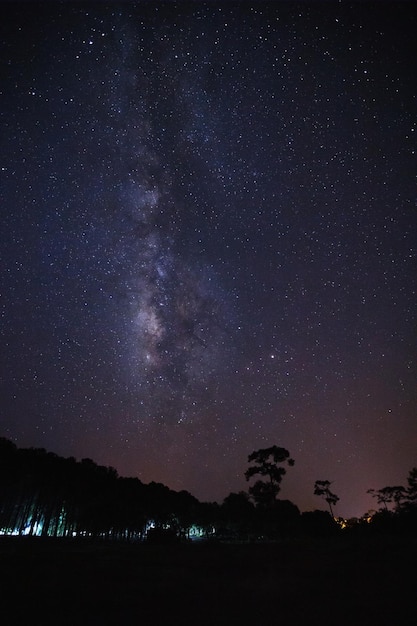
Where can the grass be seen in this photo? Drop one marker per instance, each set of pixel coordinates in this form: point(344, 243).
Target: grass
point(345, 581)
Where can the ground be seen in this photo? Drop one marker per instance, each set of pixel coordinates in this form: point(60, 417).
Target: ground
point(349, 582)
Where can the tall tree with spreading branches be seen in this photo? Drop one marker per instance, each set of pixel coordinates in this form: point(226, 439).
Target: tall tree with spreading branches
point(322, 488)
point(267, 463)
point(389, 495)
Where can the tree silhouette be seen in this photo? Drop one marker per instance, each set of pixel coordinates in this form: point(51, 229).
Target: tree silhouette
point(238, 514)
point(44, 494)
point(322, 488)
point(389, 495)
point(267, 460)
point(412, 486)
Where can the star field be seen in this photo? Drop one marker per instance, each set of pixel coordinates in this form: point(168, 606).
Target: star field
point(209, 240)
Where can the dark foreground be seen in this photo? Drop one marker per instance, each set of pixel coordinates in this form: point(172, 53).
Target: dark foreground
point(354, 582)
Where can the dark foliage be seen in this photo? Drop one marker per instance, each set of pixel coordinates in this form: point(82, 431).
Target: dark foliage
point(268, 464)
point(44, 494)
point(319, 524)
point(322, 488)
point(398, 508)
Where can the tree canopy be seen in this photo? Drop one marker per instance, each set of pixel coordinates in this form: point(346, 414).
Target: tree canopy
point(267, 463)
point(322, 488)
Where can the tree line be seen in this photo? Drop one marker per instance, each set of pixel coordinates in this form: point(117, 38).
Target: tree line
point(43, 494)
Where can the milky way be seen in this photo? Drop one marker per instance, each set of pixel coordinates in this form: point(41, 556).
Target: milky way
point(210, 240)
point(173, 305)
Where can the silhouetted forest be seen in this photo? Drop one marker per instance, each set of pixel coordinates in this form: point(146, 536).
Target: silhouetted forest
point(82, 545)
point(43, 494)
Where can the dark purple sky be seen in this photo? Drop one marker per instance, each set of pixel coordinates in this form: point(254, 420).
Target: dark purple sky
point(209, 240)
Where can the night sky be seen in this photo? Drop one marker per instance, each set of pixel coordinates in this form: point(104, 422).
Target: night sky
point(208, 240)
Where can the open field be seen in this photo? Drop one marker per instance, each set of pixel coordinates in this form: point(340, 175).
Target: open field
point(352, 582)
